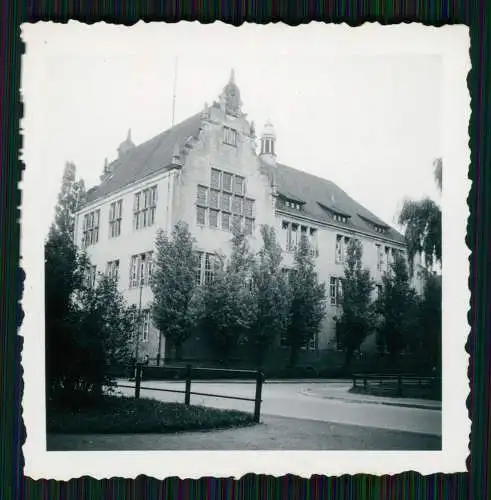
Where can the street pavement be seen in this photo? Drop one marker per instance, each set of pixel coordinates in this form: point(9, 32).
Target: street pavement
point(328, 402)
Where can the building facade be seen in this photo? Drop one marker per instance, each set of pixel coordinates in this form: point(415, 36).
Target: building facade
point(209, 171)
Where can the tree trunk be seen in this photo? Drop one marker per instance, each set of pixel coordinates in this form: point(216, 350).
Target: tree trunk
point(293, 356)
point(178, 351)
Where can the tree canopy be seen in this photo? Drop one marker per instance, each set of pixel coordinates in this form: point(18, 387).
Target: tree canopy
point(173, 285)
point(358, 319)
point(308, 304)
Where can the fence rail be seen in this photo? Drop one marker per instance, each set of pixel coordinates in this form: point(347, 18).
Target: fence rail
point(399, 379)
point(189, 370)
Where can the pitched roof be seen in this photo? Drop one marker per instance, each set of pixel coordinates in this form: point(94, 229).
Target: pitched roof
point(146, 159)
point(320, 197)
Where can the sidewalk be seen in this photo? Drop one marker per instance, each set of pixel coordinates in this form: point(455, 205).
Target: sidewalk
point(344, 395)
point(274, 433)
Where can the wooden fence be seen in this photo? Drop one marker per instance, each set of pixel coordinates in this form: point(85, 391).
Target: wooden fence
point(188, 377)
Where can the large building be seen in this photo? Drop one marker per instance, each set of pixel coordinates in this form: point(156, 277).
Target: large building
point(209, 172)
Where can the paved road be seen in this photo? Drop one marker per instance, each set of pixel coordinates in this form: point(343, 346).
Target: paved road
point(324, 402)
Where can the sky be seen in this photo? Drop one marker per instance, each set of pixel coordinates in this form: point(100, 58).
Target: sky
point(369, 120)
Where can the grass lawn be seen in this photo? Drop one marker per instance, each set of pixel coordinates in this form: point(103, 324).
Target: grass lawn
point(120, 415)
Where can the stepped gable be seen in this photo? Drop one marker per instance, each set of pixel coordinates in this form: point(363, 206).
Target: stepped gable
point(151, 157)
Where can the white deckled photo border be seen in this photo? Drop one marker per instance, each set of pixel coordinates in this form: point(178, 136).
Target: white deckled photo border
point(452, 44)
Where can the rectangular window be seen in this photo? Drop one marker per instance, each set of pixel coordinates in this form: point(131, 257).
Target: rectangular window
point(248, 226)
point(149, 268)
point(145, 325)
point(237, 222)
point(141, 268)
point(286, 235)
point(202, 195)
point(237, 205)
point(313, 240)
point(226, 201)
point(115, 216)
point(214, 198)
point(249, 207)
point(134, 271)
point(112, 270)
point(200, 216)
point(238, 185)
point(90, 276)
point(227, 182)
point(144, 208)
point(199, 260)
point(230, 136)
point(213, 218)
point(313, 343)
point(335, 290)
point(215, 178)
point(91, 228)
point(294, 237)
point(209, 269)
point(339, 249)
point(225, 221)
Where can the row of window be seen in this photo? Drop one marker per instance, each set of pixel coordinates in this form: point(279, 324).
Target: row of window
point(386, 256)
point(225, 181)
point(144, 210)
point(293, 232)
point(213, 198)
point(216, 219)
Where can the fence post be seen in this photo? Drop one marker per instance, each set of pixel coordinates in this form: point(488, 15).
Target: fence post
point(259, 390)
point(365, 386)
point(138, 379)
point(354, 381)
point(187, 395)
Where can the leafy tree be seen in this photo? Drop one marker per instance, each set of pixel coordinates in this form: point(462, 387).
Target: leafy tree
point(422, 222)
point(70, 200)
point(85, 328)
point(104, 326)
point(358, 316)
point(307, 301)
point(272, 296)
point(229, 303)
point(430, 319)
point(398, 305)
point(173, 286)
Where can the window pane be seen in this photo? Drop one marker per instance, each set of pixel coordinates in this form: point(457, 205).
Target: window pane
point(237, 222)
point(227, 181)
point(213, 218)
point(249, 207)
point(215, 178)
point(237, 205)
point(214, 198)
point(200, 216)
point(249, 226)
point(202, 192)
point(225, 221)
point(226, 202)
point(239, 185)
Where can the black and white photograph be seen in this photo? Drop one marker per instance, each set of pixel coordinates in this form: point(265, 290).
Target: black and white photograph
point(248, 241)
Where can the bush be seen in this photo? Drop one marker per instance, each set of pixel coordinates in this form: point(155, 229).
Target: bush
point(121, 415)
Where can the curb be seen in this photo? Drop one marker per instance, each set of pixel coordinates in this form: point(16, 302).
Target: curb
point(366, 401)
